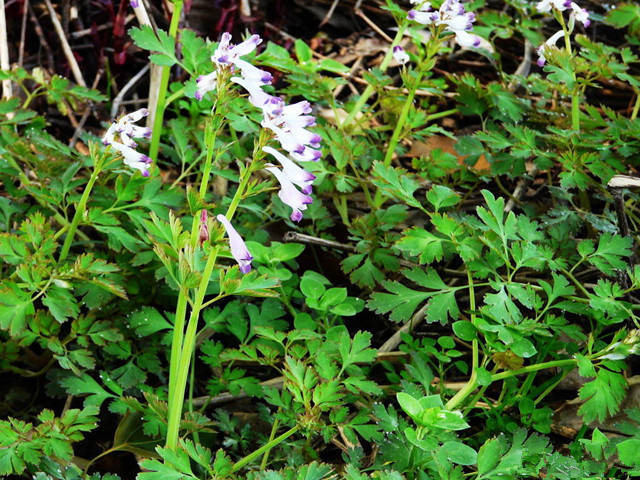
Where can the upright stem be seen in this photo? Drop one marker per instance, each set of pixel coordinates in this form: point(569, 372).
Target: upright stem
point(181, 309)
point(432, 49)
point(357, 108)
point(162, 89)
point(80, 208)
point(266, 447)
point(404, 113)
point(636, 106)
point(176, 343)
point(176, 401)
point(471, 385)
point(575, 92)
point(179, 368)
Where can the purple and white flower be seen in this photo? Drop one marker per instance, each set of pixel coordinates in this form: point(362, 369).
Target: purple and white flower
point(580, 14)
point(206, 83)
point(133, 158)
point(577, 12)
point(125, 130)
point(453, 16)
point(546, 5)
point(290, 195)
point(400, 55)
point(237, 246)
point(227, 54)
point(300, 143)
point(298, 175)
point(253, 73)
point(259, 98)
point(551, 42)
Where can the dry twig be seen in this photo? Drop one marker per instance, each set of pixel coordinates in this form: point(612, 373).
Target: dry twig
point(135, 79)
point(156, 70)
point(23, 30)
point(39, 32)
point(375, 27)
point(4, 52)
point(75, 68)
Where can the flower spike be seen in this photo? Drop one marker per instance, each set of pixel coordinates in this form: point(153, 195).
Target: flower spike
point(126, 131)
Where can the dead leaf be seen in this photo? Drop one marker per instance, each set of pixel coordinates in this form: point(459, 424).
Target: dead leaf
point(447, 145)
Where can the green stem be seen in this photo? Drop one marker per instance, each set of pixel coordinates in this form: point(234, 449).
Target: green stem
point(179, 368)
point(575, 109)
point(471, 385)
point(210, 141)
point(575, 282)
point(80, 208)
point(404, 113)
point(176, 343)
point(575, 93)
point(265, 457)
point(397, 131)
point(636, 106)
point(162, 88)
point(445, 113)
point(267, 446)
point(569, 362)
point(357, 108)
point(176, 400)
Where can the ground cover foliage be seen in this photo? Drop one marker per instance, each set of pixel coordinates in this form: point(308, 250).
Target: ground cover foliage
point(458, 301)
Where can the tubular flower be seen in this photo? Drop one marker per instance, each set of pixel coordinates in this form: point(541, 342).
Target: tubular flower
point(228, 56)
point(547, 5)
point(580, 14)
point(132, 158)
point(237, 246)
point(290, 195)
point(400, 55)
point(259, 98)
point(577, 12)
point(205, 84)
point(551, 42)
point(126, 131)
point(296, 174)
point(453, 16)
point(298, 142)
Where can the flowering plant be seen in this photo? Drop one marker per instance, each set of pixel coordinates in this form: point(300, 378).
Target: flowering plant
point(325, 262)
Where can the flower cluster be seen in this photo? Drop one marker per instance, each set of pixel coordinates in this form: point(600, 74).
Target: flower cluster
point(125, 130)
point(577, 13)
point(288, 123)
point(227, 56)
point(452, 16)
